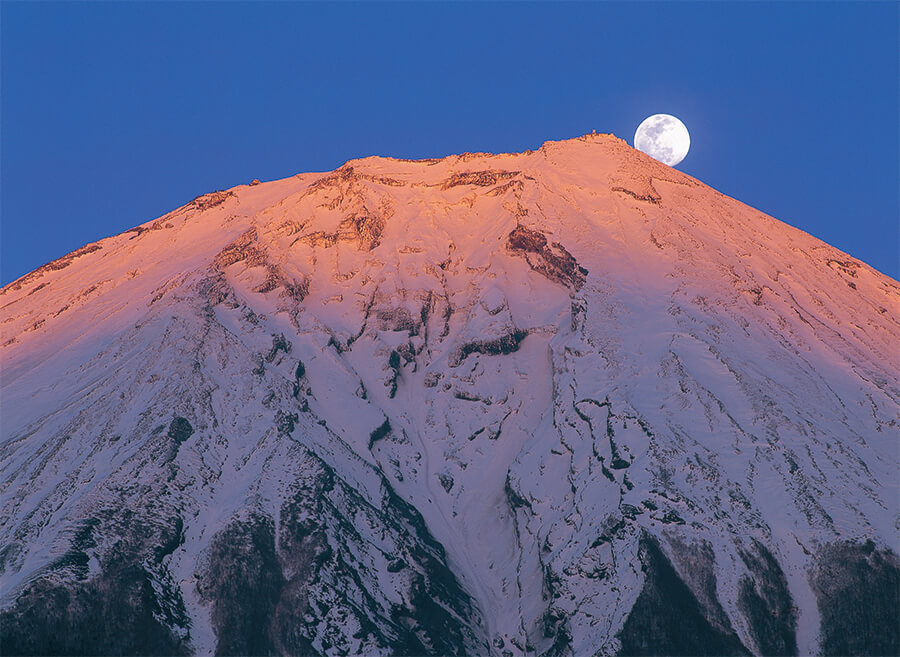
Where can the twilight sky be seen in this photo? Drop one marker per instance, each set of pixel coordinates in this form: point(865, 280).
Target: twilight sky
point(115, 113)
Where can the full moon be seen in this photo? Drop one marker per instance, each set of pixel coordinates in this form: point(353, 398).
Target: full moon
point(664, 138)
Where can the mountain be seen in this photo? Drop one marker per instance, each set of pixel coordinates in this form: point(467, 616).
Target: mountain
point(564, 402)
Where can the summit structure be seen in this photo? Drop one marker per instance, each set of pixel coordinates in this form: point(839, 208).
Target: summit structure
point(564, 402)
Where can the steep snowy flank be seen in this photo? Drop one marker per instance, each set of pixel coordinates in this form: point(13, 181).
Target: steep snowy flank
point(564, 402)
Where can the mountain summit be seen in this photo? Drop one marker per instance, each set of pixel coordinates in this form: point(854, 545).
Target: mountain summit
point(564, 402)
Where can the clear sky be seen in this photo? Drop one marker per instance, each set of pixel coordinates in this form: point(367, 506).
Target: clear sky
point(116, 113)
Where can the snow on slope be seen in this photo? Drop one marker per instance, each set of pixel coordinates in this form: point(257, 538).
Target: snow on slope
point(525, 403)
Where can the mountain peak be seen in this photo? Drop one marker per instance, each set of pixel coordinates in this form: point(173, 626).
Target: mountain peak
point(592, 146)
point(512, 404)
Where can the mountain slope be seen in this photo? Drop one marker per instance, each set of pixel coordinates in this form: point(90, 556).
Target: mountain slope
point(569, 401)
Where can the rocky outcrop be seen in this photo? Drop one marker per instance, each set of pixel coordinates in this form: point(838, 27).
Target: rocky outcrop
point(550, 260)
point(505, 344)
point(648, 196)
point(208, 201)
point(478, 178)
point(247, 251)
point(364, 229)
point(244, 249)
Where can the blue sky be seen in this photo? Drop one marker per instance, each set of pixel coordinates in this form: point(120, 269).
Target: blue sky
point(115, 113)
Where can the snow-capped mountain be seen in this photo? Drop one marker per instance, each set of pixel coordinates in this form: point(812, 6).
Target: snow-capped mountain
point(564, 402)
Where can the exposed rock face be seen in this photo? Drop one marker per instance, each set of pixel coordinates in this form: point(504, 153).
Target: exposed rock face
point(479, 178)
point(565, 402)
point(211, 200)
point(505, 344)
point(553, 261)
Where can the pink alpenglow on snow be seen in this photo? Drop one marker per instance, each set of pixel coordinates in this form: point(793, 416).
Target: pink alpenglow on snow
point(563, 402)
